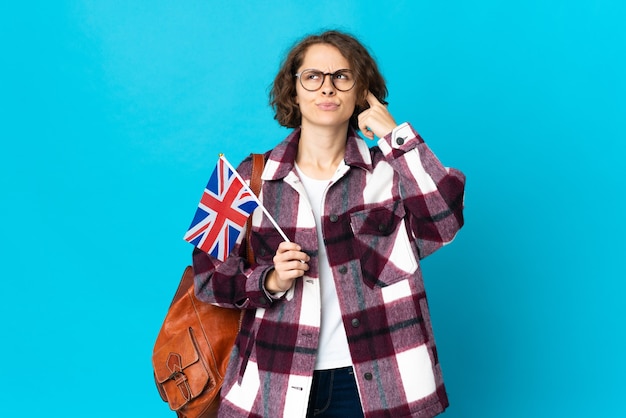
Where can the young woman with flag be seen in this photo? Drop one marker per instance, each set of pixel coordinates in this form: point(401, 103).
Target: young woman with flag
point(336, 322)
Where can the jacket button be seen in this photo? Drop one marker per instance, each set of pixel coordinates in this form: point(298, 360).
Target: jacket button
point(334, 218)
point(400, 141)
point(263, 301)
point(343, 269)
point(368, 376)
point(356, 323)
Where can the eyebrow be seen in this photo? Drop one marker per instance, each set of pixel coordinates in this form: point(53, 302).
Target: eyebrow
point(315, 69)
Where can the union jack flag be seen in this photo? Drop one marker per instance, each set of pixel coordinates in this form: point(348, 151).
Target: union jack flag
point(224, 208)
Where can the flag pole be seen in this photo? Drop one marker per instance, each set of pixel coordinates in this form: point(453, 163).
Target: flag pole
point(270, 217)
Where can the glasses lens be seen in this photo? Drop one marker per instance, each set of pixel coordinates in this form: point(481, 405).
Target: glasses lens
point(312, 80)
point(343, 80)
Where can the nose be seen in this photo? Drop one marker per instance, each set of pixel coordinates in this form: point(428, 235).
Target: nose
point(328, 88)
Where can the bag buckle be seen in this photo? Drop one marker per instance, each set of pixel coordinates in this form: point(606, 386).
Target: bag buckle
point(174, 365)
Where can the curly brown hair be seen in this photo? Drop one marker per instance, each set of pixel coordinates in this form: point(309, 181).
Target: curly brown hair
point(368, 77)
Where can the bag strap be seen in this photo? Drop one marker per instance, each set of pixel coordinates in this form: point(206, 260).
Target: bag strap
point(258, 163)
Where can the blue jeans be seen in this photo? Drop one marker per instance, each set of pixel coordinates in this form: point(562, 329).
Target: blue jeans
point(334, 395)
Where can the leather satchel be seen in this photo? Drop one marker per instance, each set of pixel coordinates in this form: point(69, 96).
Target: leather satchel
point(193, 347)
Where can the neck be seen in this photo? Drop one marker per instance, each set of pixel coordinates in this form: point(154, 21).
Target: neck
point(320, 150)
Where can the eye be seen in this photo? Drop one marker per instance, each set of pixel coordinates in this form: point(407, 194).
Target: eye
point(343, 75)
point(312, 75)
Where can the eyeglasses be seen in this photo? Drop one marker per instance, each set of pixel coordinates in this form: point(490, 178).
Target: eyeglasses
point(313, 80)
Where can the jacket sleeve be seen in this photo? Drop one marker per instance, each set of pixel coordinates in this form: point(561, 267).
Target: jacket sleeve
point(433, 194)
point(232, 283)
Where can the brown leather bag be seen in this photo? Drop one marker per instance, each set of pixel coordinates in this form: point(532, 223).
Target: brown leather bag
point(192, 348)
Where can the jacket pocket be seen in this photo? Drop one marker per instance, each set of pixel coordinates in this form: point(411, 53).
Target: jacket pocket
point(382, 244)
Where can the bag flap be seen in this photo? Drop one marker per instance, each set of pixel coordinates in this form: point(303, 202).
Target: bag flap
point(175, 355)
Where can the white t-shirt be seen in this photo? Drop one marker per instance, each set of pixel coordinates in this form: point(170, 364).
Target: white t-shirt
point(333, 351)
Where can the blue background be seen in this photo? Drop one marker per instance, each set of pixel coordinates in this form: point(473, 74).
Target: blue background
point(113, 113)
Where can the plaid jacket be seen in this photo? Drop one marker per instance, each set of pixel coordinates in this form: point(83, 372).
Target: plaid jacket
point(387, 207)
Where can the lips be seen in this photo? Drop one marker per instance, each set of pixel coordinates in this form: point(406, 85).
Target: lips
point(328, 106)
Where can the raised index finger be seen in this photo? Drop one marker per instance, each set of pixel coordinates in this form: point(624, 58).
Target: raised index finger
point(372, 100)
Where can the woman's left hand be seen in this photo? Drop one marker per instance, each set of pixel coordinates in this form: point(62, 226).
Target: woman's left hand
point(375, 121)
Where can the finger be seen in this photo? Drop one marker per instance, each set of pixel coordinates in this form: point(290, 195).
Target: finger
point(298, 256)
point(288, 246)
point(291, 271)
point(298, 266)
point(286, 251)
point(287, 255)
point(372, 100)
point(365, 130)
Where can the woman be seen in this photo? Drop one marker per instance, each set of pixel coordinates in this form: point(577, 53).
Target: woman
point(336, 321)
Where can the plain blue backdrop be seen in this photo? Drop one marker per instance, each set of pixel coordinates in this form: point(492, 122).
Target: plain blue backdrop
point(112, 116)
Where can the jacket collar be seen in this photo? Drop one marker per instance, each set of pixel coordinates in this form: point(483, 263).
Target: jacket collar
point(282, 158)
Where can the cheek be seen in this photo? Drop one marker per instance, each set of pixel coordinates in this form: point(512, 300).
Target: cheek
point(354, 102)
point(299, 95)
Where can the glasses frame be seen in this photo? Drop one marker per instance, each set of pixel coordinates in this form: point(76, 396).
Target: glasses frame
point(332, 78)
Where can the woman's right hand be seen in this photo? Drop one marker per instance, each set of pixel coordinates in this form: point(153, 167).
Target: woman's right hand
point(289, 264)
point(376, 120)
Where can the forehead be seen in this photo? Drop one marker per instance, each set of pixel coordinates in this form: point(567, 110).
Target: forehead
point(324, 57)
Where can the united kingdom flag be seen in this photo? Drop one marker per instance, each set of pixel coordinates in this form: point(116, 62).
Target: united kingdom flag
point(223, 210)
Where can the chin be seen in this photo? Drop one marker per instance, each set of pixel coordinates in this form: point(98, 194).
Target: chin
point(333, 120)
